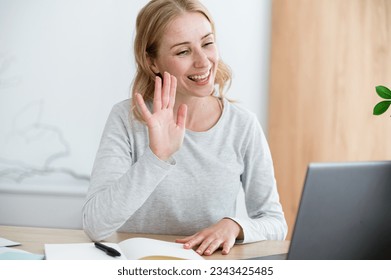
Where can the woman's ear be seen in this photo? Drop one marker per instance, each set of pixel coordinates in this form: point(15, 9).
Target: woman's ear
point(152, 65)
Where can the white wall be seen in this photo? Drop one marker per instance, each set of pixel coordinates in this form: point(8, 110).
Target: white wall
point(63, 64)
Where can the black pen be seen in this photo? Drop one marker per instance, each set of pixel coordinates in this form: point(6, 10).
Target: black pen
point(109, 251)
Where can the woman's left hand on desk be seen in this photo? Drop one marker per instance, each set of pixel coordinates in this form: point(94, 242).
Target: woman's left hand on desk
point(220, 235)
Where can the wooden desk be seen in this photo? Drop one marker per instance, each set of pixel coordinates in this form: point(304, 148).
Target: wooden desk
point(33, 240)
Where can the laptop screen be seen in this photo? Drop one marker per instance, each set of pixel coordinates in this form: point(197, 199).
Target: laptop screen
point(344, 213)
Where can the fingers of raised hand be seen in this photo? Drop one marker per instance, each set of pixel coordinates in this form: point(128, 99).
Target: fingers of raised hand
point(144, 110)
point(165, 91)
point(181, 116)
point(157, 96)
point(173, 85)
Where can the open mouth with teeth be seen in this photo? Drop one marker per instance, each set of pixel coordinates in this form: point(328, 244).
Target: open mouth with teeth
point(200, 78)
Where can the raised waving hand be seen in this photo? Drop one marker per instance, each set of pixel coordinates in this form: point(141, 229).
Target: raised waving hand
point(166, 131)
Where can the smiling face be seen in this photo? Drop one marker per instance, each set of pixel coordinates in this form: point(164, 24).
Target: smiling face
point(187, 50)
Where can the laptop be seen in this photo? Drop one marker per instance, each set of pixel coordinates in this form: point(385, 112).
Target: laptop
point(344, 213)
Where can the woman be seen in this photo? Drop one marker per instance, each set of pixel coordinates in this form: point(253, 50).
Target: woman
point(173, 158)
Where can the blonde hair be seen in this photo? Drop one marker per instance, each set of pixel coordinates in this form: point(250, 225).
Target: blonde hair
point(151, 23)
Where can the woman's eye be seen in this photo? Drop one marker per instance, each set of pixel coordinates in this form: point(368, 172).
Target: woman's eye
point(185, 52)
point(208, 43)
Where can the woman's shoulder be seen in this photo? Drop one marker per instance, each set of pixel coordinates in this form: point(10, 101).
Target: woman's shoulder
point(123, 106)
point(236, 112)
point(123, 111)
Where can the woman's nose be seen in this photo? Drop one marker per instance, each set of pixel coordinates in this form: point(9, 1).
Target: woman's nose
point(200, 59)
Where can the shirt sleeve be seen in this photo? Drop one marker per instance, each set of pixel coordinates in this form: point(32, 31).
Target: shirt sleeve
point(119, 186)
point(266, 218)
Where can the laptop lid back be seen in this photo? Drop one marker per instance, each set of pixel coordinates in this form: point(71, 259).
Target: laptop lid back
point(344, 213)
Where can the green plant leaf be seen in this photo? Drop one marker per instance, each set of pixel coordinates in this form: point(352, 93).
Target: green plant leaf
point(381, 107)
point(383, 92)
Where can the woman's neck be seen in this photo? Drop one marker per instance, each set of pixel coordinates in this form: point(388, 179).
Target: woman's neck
point(202, 112)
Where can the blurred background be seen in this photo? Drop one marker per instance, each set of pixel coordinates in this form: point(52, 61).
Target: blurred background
point(307, 69)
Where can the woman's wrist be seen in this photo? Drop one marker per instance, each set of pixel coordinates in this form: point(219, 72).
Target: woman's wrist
point(239, 234)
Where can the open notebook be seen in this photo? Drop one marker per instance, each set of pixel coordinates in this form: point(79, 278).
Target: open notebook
point(130, 249)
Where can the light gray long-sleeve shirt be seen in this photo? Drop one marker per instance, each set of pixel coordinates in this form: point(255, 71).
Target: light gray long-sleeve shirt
point(131, 190)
